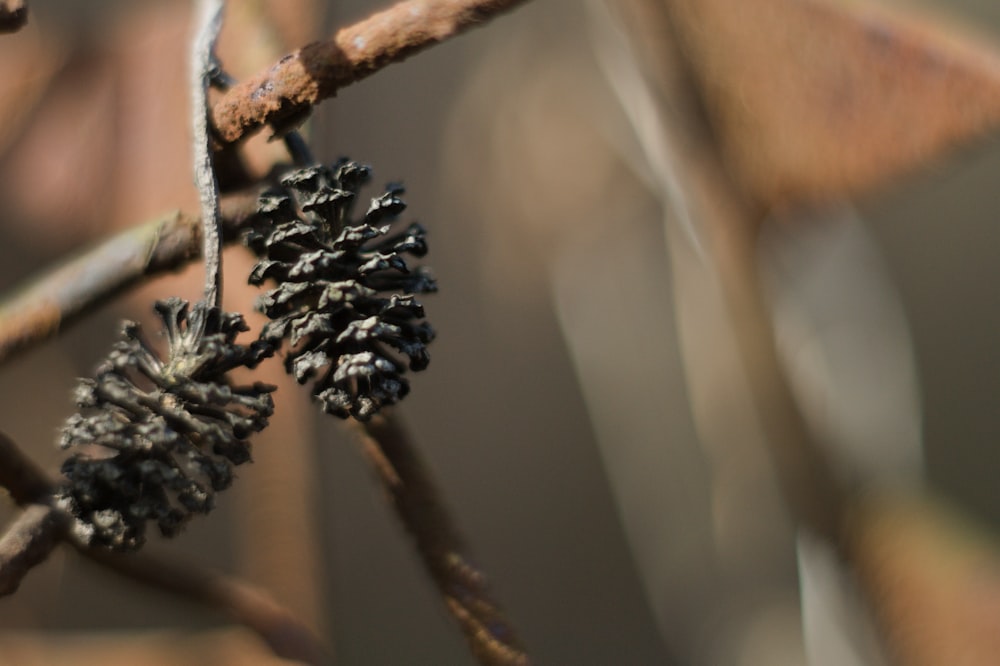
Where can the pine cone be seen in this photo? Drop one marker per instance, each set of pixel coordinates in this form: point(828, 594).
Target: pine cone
point(175, 427)
point(344, 298)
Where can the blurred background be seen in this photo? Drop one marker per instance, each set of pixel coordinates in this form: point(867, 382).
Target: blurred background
point(587, 422)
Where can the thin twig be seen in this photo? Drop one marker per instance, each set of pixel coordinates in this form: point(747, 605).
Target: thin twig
point(40, 528)
point(285, 635)
point(283, 94)
point(203, 66)
point(418, 504)
point(27, 542)
point(13, 15)
point(34, 534)
point(34, 312)
point(38, 311)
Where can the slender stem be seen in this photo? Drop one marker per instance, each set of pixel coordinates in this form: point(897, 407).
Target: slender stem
point(400, 469)
point(203, 67)
point(284, 94)
point(299, 149)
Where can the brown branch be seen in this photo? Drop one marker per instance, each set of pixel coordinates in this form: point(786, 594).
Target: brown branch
point(54, 300)
point(286, 90)
point(26, 482)
point(27, 542)
point(39, 529)
point(418, 504)
point(285, 635)
point(13, 15)
point(283, 94)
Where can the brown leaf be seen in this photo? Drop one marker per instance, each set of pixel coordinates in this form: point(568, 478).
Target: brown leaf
point(816, 99)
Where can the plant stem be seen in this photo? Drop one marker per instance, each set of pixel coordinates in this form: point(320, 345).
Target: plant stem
point(27, 543)
point(40, 528)
point(38, 311)
point(417, 502)
point(34, 312)
point(283, 94)
point(34, 534)
point(203, 65)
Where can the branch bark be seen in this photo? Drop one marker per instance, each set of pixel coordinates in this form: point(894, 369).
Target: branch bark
point(283, 95)
point(414, 495)
point(27, 543)
point(38, 529)
point(54, 300)
point(209, 24)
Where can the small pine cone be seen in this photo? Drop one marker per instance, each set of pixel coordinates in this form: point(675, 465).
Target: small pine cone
point(344, 298)
point(173, 429)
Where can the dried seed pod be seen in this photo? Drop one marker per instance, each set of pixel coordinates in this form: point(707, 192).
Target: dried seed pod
point(344, 298)
point(167, 432)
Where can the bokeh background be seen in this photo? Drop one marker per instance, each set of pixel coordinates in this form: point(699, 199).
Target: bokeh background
point(625, 513)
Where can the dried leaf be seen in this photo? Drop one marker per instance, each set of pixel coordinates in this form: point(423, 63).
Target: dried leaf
point(816, 99)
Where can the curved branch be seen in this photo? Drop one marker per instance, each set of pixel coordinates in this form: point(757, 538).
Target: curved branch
point(279, 96)
point(418, 504)
point(57, 298)
point(283, 95)
point(27, 543)
point(39, 529)
point(36, 532)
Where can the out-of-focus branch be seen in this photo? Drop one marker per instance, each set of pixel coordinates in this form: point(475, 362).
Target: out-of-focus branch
point(38, 529)
point(418, 504)
point(13, 15)
point(283, 94)
point(27, 542)
point(696, 185)
point(284, 634)
point(20, 475)
point(55, 299)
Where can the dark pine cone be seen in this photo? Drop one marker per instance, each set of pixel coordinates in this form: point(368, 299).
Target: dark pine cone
point(344, 298)
point(175, 427)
